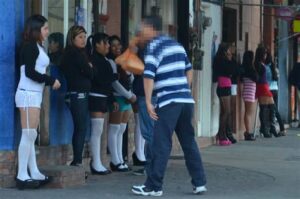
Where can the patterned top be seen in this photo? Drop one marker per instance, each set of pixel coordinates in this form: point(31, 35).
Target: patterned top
point(166, 62)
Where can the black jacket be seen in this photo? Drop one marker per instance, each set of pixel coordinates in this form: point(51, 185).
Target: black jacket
point(77, 70)
point(103, 76)
point(294, 76)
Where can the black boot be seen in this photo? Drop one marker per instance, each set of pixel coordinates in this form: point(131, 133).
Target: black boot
point(230, 137)
point(272, 109)
point(265, 121)
point(249, 136)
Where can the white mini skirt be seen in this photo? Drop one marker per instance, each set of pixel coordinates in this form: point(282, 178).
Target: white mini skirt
point(25, 98)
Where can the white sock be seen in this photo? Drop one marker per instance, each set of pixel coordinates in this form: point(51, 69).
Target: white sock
point(139, 140)
point(33, 168)
point(95, 143)
point(113, 131)
point(120, 141)
point(24, 153)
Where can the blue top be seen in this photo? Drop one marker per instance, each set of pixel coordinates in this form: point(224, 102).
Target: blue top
point(166, 62)
point(272, 83)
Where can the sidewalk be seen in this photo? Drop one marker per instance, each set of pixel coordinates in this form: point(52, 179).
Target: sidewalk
point(266, 168)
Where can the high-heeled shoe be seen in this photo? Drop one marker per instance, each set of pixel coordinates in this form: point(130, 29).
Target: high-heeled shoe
point(249, 136)
point(95, 172)
point(27, 184)
point(222, 141)
point(118, 167)
point(231, 138)
point(136, 161)
point(45, 181)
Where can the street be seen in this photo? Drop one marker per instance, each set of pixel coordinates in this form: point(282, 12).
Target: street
point(266, 168)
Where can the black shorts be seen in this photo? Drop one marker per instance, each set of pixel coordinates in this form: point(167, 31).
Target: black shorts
point(98, 104)
point(223, 92)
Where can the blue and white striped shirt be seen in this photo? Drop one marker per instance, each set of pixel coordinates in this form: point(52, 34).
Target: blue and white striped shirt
point(166, 62)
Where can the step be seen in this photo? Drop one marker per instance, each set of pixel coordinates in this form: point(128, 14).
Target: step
point(64, 176)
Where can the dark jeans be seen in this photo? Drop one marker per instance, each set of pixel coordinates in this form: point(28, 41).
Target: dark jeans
point(178, 117)
point(275, 98)
point(78, 104)
point(146, 126)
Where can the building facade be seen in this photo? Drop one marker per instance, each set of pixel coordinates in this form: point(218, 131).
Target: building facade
point(199, 25)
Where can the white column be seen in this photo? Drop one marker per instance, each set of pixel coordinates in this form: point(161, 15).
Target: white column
point(66, 19)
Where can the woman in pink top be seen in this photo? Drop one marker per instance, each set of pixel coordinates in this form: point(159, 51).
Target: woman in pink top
point(224, 68)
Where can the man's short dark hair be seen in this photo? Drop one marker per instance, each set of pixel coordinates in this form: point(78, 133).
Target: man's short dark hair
point(154, 21)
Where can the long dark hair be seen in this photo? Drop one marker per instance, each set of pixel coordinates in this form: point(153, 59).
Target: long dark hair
point(221, 53)
point(32, 30)
point(259, 57)
point(72, 33)
point(269, 61)
point(219, 58)
point(92, 40)
point(248, 60)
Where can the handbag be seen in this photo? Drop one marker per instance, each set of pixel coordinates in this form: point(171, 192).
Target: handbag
point(129, 61)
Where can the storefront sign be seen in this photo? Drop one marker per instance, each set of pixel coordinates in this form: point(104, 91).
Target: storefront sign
point(296, 26)
point(285, 13)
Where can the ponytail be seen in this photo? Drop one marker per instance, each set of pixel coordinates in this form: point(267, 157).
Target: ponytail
point(89, 45)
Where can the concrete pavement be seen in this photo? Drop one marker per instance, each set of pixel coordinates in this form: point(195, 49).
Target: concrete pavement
point(266, 168)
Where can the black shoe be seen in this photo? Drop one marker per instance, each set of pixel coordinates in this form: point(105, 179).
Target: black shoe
point(27, 184)
point(118, 167)
point(47, 180)
point(136, 161)
point(249, 136)
point(95, 172)
point(76, 164)
point(231, 138)
point(139, 172)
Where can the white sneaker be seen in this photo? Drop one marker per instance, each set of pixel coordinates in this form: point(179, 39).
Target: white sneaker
point(145, 191)
point(199, 190)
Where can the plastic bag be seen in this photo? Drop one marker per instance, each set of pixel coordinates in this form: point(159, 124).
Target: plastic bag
point(129, 61)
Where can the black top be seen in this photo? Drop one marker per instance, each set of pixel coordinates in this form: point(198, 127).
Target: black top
point(225, 68)
point(103, 76)
point(28, 56)
point(77, 70)
point(249, 72)
point(294, 76)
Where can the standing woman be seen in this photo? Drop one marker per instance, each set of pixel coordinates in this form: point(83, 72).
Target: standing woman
point(272, 78)
point(124, 96)
point(264, 95)
point(33, 78)
point(249, 78)
point(224, 70)
point(78, 73)
point(101, 95)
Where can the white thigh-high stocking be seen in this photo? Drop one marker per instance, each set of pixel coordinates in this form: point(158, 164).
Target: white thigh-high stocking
point(24, 153)
point(139, 140)
point(33, 168)
point(120, 141)
point(113, 131)
point(95, 143)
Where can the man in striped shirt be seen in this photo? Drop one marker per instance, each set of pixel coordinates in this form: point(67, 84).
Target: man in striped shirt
point(168, 72)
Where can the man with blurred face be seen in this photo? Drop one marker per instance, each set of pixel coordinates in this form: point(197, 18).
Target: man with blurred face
point(168, 72)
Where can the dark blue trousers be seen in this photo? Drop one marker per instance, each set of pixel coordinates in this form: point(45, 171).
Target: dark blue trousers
point(178, 117)
point(78, 104)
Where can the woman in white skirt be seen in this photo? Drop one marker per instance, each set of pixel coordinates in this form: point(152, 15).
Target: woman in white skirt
point(33, 78)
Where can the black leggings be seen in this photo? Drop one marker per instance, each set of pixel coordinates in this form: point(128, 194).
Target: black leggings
point(225, 116)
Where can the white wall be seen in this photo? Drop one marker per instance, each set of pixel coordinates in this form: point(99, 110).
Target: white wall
point(209, 104)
